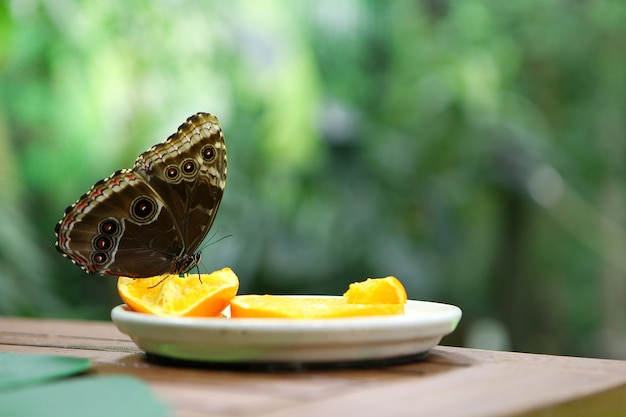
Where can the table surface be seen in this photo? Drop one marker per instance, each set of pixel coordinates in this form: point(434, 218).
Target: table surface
point(449, 382)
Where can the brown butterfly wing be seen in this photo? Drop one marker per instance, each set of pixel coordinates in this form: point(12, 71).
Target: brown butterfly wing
point(108, 231)
point(143, 222)
point(189, 172)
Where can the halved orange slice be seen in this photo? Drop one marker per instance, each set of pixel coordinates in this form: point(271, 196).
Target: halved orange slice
point(388, 290)
point(283, 306)
point(188, 296)
point(373, 297)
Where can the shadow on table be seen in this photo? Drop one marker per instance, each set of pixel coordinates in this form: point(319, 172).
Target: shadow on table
point(434, 361)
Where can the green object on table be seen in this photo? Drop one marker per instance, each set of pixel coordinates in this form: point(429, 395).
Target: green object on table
point(93, 396)
point(31, 386)
point(18, 370)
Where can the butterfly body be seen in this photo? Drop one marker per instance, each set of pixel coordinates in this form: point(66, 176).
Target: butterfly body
point(151, 219)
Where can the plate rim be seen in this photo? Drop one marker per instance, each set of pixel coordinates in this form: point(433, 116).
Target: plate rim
point(449, 312)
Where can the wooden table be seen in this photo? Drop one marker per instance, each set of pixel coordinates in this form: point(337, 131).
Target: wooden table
point(450, 382)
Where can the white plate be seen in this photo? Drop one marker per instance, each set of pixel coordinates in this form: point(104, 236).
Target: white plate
point(291, 341)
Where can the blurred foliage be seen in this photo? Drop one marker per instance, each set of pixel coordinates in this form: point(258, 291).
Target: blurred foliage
point(476, 150)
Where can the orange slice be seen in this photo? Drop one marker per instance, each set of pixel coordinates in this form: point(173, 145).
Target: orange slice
point(373, 297)
point(283, 306)
point(388, 290)
point(188, 296)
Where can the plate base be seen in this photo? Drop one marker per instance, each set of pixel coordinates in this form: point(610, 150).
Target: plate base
point(286, 366)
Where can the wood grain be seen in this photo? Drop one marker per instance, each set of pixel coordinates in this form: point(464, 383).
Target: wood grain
point(451, 382)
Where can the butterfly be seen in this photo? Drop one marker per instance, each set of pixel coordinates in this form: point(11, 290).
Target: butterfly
point(151, 219)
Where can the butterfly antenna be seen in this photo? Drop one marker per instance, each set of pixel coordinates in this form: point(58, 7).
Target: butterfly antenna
point(209, 243)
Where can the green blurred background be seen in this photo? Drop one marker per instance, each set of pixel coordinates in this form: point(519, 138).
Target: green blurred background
point(476, 150)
